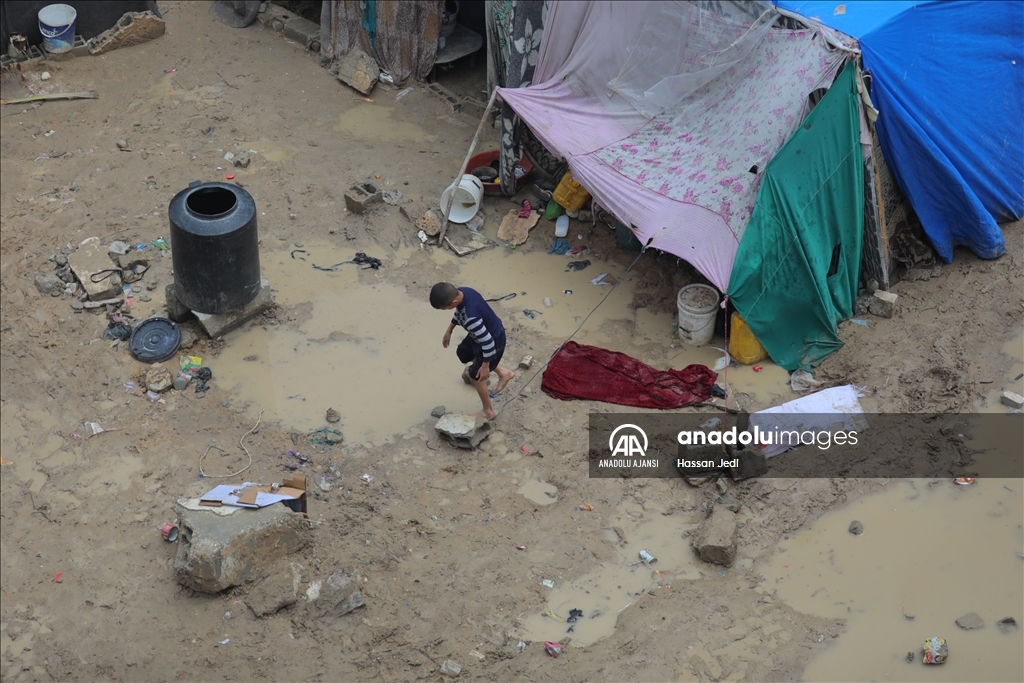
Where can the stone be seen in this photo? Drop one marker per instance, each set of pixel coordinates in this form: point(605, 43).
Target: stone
point(1009, 398)
point(361, 195)
point(158, 379)
point(715, 540)
point(439, 411)
point(275, 592)
point(358, 70)
point(463, 431)
point(333, 415)
point(526, 362)
point(122, 144)
point(882, 304)
point(970, 621)
point(429, 222)
point(722, 486)
point(1006, 624)
point(176, 311)
point(856, 528)
point(218, 324)
point(242, 160)
point(752, 463)
point(90, 259)
point(465, 376)
point(189, 333)
point(60, 259)
point(133, 28)
point(302, 31)
point(48, 283)
point(216, 552)
point(333, 597)
point(729, 502)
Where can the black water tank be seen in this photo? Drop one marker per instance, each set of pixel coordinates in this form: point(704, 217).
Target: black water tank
point(215, 247)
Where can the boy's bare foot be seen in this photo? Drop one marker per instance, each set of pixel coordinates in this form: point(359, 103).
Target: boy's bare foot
point(486, 414)
point(504, 377)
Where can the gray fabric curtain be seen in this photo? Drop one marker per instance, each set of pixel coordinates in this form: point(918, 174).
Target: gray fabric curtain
point(404, 38)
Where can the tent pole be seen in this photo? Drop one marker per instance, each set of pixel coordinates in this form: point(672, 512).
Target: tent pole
point(465, 163)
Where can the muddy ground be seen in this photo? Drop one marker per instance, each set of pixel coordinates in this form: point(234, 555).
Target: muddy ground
point(434, 535)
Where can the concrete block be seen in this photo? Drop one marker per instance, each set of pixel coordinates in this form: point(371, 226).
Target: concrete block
point(302, 31)
point(449, 98)
point(361, 195)
point(463, 431)
point(333, 597)
point(358, 70)
point(716, 538)
point(274, 16)
point(176, 311)
point(882, 304)
point(216, 552)
point(92, 258)
point(275, 592)
point(1012, 400)
point(218, 324)
point(133, 28)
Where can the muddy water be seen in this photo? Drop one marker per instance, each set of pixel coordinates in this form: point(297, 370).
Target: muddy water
point(539, 492)
point(614, 585)
point(375, 122)
point(1003, 376)
point(930, 550)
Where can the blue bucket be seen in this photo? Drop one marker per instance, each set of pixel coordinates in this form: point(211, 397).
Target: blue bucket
point(57, 24)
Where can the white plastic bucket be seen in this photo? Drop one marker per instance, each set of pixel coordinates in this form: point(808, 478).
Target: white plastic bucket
point(57, 24)
point(468, 195)
point(698, 306)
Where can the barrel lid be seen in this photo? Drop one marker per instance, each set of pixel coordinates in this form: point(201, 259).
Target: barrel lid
point(155, 340)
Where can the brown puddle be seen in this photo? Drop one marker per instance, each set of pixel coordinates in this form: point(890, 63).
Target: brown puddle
point(989, 402)
point(369, 121)
point(930, 550)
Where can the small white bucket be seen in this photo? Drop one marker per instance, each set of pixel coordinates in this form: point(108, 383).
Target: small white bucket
point(698, 306)
point(57, 24)
point(468, 195)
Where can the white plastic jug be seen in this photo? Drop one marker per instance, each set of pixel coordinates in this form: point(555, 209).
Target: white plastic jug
point(562, 226)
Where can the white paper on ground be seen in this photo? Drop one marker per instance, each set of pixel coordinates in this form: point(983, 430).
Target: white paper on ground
point(826, 410)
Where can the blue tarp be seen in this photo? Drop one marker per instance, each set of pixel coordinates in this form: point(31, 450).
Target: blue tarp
point(948, 81)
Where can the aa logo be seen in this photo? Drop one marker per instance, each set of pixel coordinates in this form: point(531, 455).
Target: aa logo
point(628, 443)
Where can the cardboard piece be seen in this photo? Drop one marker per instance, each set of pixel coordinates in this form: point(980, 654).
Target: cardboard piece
point(462, 247)
point(514, 229)
point(252, 495)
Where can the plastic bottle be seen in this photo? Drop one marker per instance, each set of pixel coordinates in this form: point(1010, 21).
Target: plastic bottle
point(562, 226)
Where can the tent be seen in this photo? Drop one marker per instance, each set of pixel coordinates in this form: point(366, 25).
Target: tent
point(947, 79)
point(797, 270)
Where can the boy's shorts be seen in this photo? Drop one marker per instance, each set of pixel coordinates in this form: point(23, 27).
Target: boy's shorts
point(469, 350)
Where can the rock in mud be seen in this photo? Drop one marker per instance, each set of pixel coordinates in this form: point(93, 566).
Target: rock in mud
point(429, 222)
point(333, 597)
point(882, 304)
point(856, 528)
point(463, 431)
point(970, 621)
point(358, 70)
point(1009, 398)
point(333, 416)
point(715, 541)
point(275, 592)
point(242, 160)
point(1007, 624)
point(439, 411)
point(48, 283)
point(158, 379)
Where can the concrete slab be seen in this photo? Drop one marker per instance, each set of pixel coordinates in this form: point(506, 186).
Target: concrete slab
point(361, 195)
point(176, 311)
point(131, 29)
point(92, 259)
point(463, 431)
point(219, 324)
point(302, 31)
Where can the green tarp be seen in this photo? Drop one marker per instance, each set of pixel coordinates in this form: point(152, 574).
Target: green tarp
point(796, 271)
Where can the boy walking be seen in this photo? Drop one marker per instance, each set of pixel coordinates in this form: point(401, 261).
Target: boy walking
point(485, 343)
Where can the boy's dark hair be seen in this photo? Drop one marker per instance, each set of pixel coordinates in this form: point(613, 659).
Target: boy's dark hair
point(443, 294)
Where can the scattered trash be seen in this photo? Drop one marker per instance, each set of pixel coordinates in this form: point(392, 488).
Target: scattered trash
point(566, 291)
point(117, 331)
point(423, 236)
point(475, 223)
point(229, 176)
point(717, 392)
point(140, 246)
point(526, 362)
point(574, 615)
point(45, 76)
point(647, 557)
point(333, 415)
point(225, 641)
point(120, 248)
point(299, 456)
point(604, 279)
point(1018, 377)
point(521, 547)
point(531, 314)
point(325, 436)
point(93, 428)
point(169, 532)
point(935, 650)
point(360, 258)
point(402, 94)
point(553, 649)
point(559, 246)
point(801, 380)
point(161, 244)
point(170, 71)
point(712, 423)
point(180, 383)
point(526, 210)
point(862, 323)
point(521, 645)
point(758, 368)
point(549, 613)
point(153, 396)
point(367, 478)
point(450, 668)
point(59, 578)
point(547, 583)
point(963, 481)
point(392, 197)
point(586, 507)
point(202, 376)
point(189, 362)
point(856, 528)
point(547, 302)
point(49, 133)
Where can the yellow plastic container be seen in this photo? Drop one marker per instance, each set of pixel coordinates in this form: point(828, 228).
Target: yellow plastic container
point(570, 194)
point(743, 345)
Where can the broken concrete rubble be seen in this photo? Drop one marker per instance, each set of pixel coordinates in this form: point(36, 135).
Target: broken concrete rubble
point(176, 311)
point(715, 540)
point(48, 283)
point(217, 551)
point(463, 431)
point(158, 379)
point(90, 261)
point(333, 597)
point(218, 324)
point(358, 70)
point(131, 29)
point(275, 592)
point(882, 304)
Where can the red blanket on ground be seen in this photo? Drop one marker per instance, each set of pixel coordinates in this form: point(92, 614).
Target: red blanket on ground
point(593, 374)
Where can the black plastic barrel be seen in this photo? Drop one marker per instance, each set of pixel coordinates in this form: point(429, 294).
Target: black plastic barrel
point(215, 247)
